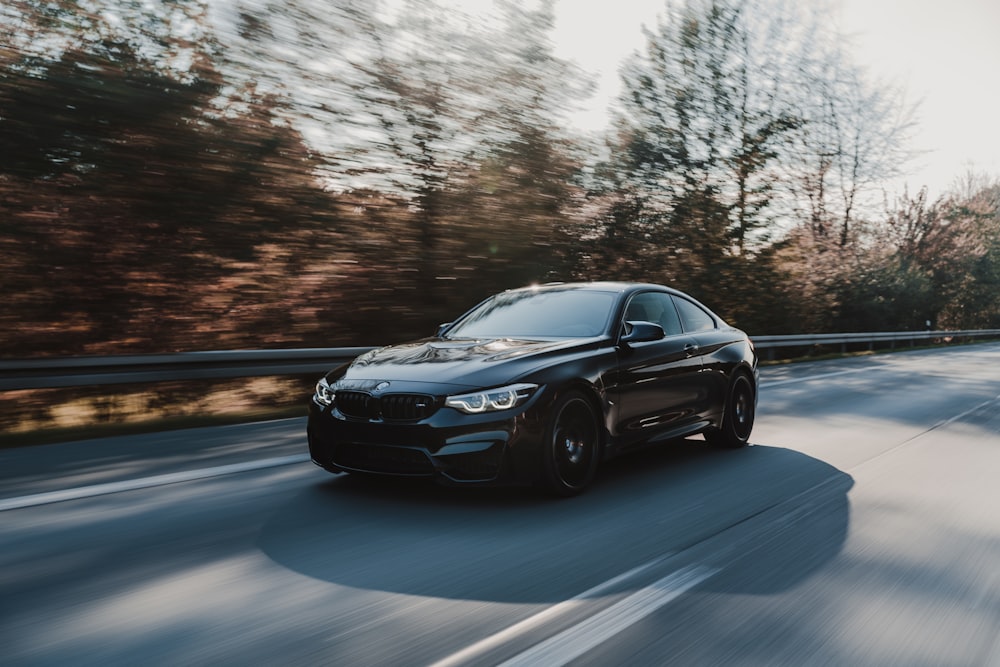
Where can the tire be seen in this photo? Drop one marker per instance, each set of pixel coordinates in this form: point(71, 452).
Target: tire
point(738, 416)
point(572, 446)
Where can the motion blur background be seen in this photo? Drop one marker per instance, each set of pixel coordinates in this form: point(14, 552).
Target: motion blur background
point(224, 174)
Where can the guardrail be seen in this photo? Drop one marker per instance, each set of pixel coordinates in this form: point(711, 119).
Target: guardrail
point(771, 343)
point(109, 370)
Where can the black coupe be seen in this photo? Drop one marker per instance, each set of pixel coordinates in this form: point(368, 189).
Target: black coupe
point(537, 386)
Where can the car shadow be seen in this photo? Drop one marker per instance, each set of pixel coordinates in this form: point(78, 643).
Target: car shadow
point(517, 545)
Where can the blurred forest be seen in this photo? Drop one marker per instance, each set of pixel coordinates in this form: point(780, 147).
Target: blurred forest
point(196, 175)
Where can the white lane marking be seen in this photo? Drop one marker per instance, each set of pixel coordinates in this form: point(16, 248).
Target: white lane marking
point(577, 640)
point(497, 639)
point(940, 424)
point(963, 415)
point(146, 482)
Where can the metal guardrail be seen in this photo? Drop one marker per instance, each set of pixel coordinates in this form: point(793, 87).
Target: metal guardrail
point(109, 370)
point(771, 343)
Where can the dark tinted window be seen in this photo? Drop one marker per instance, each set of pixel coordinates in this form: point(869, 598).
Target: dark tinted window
point(538, 314)
point(693, 317)
point(654, 307)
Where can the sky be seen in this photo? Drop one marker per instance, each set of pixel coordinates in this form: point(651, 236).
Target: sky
point(945, 55)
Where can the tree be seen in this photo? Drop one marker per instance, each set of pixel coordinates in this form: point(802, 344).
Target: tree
point(453, 115)
point(744, 128)
point(705, 120)
point(696, 155)
point(129, 194)
point(852, 138)
point(954, 241)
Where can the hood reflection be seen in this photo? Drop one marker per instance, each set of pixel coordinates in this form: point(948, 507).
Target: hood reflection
point(439, 350)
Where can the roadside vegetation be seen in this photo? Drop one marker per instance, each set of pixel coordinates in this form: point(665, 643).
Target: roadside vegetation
point(194, 176)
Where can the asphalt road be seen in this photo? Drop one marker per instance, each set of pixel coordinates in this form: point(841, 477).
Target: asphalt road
point(861, 528)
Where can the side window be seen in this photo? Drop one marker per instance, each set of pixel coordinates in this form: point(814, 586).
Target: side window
point(693, 317)
point(654, 307)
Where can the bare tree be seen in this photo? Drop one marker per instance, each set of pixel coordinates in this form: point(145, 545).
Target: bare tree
point(853, 137)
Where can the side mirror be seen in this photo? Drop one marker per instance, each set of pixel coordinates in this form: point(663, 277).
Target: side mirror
point(642, 332)
point(442, 328)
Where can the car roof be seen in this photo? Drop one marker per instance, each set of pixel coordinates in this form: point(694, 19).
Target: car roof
point(598, 286)
point(620, 287)
point(627, 289)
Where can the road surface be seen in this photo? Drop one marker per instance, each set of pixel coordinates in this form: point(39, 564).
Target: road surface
point(861, 528)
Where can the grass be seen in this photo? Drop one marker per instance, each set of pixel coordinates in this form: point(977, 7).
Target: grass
point(47, 436)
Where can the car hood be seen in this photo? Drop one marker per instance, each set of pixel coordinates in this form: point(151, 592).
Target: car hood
point(465, 363)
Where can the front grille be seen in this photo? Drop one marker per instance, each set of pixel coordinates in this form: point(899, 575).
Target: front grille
point(383, 459)
point(390, 407)
point(358, 404)
point(406, 407)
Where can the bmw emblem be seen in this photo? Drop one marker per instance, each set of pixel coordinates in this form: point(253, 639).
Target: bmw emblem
point(381, 386)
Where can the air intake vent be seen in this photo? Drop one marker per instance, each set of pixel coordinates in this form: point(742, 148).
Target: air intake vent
point(388, 460)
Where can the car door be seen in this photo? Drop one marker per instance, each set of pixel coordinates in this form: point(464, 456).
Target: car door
point(657, 392)
point(710, 340)
point(720, 348)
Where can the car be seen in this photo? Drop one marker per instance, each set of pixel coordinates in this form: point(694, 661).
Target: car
point(538, 386)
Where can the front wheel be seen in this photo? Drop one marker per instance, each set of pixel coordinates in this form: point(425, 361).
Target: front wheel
point(738, 416)
point(572, 446)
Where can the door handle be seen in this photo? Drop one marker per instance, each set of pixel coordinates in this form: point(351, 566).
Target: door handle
point(690, 349)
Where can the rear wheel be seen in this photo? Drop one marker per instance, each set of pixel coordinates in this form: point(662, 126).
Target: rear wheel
point(572, 446)
point(737, 420)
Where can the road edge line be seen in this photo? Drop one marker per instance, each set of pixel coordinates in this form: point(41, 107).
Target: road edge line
point(107, 488)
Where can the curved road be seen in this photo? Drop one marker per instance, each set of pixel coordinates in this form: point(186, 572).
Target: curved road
point(862, 527)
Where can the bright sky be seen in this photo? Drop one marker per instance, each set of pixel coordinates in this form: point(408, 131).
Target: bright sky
point(946, 55)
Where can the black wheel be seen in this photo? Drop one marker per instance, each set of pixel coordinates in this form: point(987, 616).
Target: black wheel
point(737, 419)
point(572, 446)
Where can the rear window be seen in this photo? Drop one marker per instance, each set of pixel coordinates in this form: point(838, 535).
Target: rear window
point(693, 317)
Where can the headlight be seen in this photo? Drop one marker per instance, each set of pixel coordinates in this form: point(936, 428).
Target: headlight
point(492, 400)
point(324, 394)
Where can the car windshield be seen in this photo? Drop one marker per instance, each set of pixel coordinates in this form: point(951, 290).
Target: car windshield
point(541, 314)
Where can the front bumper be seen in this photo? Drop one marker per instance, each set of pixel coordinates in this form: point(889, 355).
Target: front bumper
point(449, 447)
